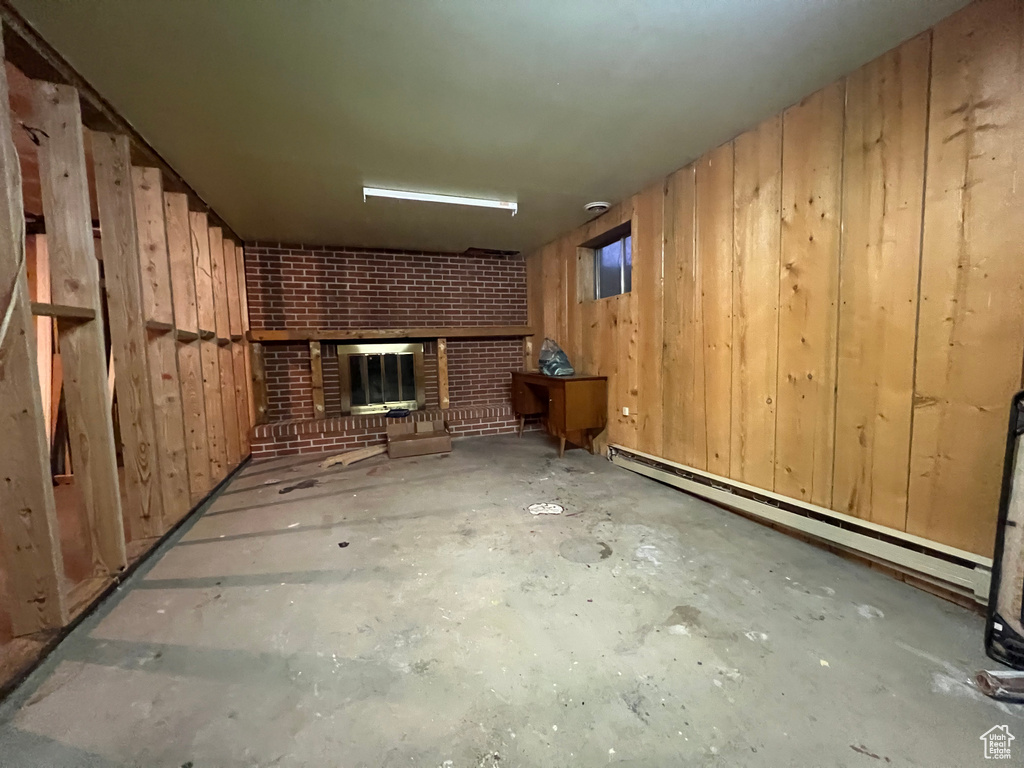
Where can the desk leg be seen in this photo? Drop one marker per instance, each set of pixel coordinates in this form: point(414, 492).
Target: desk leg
point(522, 423)
point(561, 447)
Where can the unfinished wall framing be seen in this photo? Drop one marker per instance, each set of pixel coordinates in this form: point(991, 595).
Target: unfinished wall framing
point(126, 319)
point(831, 305)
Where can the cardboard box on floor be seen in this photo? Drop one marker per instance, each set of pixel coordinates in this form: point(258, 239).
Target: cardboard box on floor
point(418, 438)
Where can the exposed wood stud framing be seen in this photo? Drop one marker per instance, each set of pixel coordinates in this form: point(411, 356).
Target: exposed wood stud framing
point(75, 282)
point(137, 417)
point(162, 345)
point(28, 518)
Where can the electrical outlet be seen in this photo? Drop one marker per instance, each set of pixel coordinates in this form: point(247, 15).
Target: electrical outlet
point(625, 411)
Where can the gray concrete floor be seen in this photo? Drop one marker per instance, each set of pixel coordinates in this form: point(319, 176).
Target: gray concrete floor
point(642, 627)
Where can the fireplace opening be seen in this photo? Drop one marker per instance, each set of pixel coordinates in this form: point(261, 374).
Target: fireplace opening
point(378, 377)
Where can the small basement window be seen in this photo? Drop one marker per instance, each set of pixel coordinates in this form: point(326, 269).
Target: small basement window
point(613, 263)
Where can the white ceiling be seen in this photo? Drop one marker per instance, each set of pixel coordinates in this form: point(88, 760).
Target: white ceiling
point(279, 112)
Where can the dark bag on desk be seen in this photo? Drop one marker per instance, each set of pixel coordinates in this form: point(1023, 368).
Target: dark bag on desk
point(553, 361)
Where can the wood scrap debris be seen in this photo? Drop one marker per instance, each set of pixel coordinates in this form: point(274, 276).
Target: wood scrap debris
point(351, 457)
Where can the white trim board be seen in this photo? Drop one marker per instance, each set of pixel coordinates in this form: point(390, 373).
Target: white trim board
point(948, 566)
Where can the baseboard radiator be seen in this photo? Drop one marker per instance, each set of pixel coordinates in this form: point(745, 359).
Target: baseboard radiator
point(952, 569)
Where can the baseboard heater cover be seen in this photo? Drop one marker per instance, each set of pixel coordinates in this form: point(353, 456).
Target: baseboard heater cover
point(954, 569)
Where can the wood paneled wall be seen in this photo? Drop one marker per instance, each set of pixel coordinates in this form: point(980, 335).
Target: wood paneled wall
point(831, 305)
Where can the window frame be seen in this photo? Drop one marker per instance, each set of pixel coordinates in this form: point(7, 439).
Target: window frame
point(621, 241)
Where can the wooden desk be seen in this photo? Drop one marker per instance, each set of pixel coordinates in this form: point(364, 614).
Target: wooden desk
point(575, 408)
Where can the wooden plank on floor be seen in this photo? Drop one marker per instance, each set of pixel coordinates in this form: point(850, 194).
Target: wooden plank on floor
point(883, 182)
point(158, 305)
point(812, 173)
point(190, 372)
point(971, 327)
point(75, 281)
point(714, 238)
point(442, 373)
point(122, 279)
point(29, 537)
point(209, 357)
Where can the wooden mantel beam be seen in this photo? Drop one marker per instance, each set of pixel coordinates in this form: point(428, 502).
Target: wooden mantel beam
point(360, 334)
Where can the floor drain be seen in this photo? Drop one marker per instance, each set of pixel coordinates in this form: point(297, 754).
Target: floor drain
point(545, 508)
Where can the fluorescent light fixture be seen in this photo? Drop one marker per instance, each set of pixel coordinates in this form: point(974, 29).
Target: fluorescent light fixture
point(427, 197)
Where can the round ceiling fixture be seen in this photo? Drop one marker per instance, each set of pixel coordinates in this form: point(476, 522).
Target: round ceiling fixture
point(598, 206)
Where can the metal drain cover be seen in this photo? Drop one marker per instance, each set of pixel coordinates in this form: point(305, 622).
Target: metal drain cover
point(544, 508)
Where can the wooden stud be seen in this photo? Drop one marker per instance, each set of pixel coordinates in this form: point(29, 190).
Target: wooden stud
point(75, 281)
point(29, 535)
point(136, 414)
point(240, 377)
point(209, 355)
point(157, 308)
point(226, 366)
point(317, 370)
point(190, 371)
point(244, 311)
point(442, 373)
point(259, 382)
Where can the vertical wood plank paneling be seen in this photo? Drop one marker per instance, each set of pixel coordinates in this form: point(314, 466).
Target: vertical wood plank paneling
point(683, 363)
point(714, 239)
point(971, 328)
point(186, 318)
point(28, 519)
point(553, 275)
point(164, 379)
point(75, 281)
point(122, 279)
point(812, 164)
point(886, 117)
point(209, 355)
point(757, 194)
point(648, 298)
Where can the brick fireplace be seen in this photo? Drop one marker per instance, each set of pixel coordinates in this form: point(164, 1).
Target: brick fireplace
point(298, 286)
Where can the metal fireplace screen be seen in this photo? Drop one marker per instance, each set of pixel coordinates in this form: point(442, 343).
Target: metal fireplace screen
point(378, 377)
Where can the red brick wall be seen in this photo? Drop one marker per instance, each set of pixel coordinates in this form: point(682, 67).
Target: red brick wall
point(294, 286)
point(326, 287)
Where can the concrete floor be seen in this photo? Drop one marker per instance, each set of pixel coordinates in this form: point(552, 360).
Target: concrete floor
point(642, 627)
